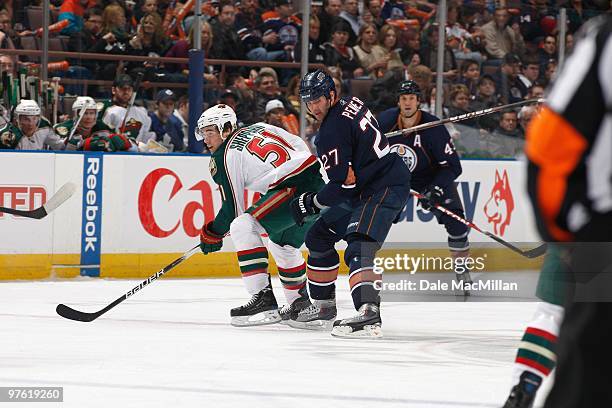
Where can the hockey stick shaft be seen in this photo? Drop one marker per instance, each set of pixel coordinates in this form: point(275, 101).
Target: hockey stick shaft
point(78, 122)
point(72, 314)
point(459, 118)
point(64, 193)
point(531, 253)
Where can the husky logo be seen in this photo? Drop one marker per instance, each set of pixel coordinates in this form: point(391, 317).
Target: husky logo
point(407, 154)
point(500, 205)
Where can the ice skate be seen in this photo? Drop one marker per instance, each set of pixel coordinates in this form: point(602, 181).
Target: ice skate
point(523, 394)
point(366, 324)
point(467, 282)
point(318, 315)
point(290, 311)
point(261, 309)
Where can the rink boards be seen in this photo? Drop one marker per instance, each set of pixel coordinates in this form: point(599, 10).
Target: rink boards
point(132, 214)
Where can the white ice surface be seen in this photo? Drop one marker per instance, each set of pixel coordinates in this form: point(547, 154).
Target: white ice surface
point(171, 345)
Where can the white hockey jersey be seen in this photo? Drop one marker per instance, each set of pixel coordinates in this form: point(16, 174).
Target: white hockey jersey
point(137, 123)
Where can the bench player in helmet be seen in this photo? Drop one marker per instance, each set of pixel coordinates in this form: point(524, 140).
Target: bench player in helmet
point(434, 163)
point(265, 159)
point(88, 126)
point(368, 187)
point(30, 131)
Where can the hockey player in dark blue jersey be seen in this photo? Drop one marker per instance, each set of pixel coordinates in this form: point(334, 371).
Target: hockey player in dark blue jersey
point(433, 161)
point(367, 189)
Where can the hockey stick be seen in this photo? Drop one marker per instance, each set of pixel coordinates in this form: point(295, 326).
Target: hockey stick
point(72, 314)
point(55, 201)
point(77, 123)
point(132, 100)
point(459, 118)
point(530, 253)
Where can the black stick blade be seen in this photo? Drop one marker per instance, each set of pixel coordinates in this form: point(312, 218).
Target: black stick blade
point(69, 313)
point(536, 252)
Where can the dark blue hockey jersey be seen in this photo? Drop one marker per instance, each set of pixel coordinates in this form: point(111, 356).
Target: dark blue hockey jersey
point(429, 154)
point(355, 154)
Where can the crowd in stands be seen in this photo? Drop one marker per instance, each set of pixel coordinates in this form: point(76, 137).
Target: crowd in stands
point(495, 52)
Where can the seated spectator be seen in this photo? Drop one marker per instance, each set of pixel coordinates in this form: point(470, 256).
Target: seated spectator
point(500, 38)
point(375, 9)
point(316, 52)
point(145, 7)
point(328, 17)
point(506, 79)
point(486, 97)
point(338, 54)
point(286, 26)
point(268, 89)
point(350, 14)
point(275, 110)
point(247, 25)
point(388, 39)
point(372, 57)
point(31, 132)
point(293, 92)
point(238, 86)
point(167, 128)
point(8, 36)
point(149, 41)
point(181, 113)
point(430, 56)
point(460, 104)
point(549, 73)
point(7, 64)
point(536, 91)
point(458, 38)
point(181, 48)
point(227, 44)
point(525, 115)
point(470, 75)
point(72, 11)
point(547, 52)
point(411, 46)
point(508, 125)
point(530, 72)
point(113, 39)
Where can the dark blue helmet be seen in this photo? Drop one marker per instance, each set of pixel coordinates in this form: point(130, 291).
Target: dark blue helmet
point(316, 84)
point(409, 87)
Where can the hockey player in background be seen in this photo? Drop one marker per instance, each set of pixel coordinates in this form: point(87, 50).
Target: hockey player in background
point(137, 123)
point(434, 163)
point(265, 159)
point(368, 187)
point(30, 131)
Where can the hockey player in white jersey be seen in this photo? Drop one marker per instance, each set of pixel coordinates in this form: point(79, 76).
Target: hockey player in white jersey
point(137, 123)
point(31, 131)
point(265, 159)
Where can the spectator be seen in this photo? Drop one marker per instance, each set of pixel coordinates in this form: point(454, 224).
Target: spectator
point(549, 73)
point(167, 128)
point(85, 40)
point(569, 43)
point(525, 115)
point(387, 38)
point(459, 104)
point(268, 89)
point(350, 14)
point(246, 98)
point(430, 57)
point(181, 113)
point(393, 9)
point(500, 38)
point(470, 75)
point(293, 92)
point(508, 125)
point(536, 91)
point(547, 52)
point(275, 110)
point(227, 44)
point(72, 11)
point(316, 52)
point(135, 123)
point(247, 23)
point(458, 38)
point(486, 97)
point(411, 40)
point(530, 71)
point(375, 8)
point(149, 41)
point(181, 48)
point(328, 18)
point(507, 78)
point(286, 26)
point(8, 37)
point(372, 57)
point(7, 64)
point(146, 7)
point(338, 54)
point(113, 39)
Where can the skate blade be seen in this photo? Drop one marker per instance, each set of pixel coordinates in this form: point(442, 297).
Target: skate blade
point(319, 325)
point(259, 319)
point(371, 331)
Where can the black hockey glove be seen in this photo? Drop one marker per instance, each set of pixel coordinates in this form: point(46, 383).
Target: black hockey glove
point(432, 196)
point(303, 206)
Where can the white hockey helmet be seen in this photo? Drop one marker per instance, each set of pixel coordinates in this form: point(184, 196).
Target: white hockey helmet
point(84, 102)
point(219, 116)
point(27, 107)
